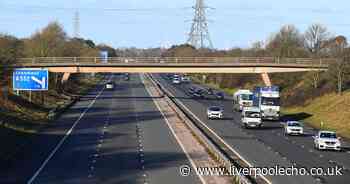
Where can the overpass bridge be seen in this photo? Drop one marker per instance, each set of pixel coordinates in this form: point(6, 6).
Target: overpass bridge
point(257, 65)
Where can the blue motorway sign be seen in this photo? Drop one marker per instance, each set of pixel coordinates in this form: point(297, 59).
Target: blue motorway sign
point(30, 80)
point(104, 56)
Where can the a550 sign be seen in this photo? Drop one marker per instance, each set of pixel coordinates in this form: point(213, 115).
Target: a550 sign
point(30, 79)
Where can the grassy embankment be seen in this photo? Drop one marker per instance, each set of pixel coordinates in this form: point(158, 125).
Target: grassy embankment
point(22, 121)
point(331, 109)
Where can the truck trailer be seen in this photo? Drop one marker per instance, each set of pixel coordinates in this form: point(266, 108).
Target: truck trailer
point(268, 100)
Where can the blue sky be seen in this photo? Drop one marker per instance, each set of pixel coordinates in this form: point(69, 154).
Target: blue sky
point(153, 23)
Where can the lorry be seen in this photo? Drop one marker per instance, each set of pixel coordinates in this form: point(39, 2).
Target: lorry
point(251, 117)
point(242, 98)
point(268, 100)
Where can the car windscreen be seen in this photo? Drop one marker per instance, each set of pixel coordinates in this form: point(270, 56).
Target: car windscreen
point(220, 94)
point(270, 101)
point(328, 135)
point(294, 124)
point(246, 97)
point(252, 114)
point(215, 108)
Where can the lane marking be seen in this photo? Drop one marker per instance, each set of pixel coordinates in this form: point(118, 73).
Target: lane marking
point(64, 139)
point(173, 132)
point(217, 136)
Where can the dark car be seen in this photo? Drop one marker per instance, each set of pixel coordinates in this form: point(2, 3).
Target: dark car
point(126, 77)
point(191, 90)
point(210, 91)
point(199, 93)
point(220, 95)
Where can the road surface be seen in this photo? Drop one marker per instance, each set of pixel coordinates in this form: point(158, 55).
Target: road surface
point(119, 136)
point(267, 146)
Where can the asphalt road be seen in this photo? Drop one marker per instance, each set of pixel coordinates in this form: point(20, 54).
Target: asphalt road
point(119, 137)
point(267, 146)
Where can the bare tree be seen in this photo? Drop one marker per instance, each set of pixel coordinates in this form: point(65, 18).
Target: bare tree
point(340, 68)
point(287, 42)
point(49, 42)
point(315, 37)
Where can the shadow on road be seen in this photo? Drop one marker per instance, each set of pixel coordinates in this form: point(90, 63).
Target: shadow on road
point(296, 116)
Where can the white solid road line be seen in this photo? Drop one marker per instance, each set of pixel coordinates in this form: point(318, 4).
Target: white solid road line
point(217, 136)
point(63, 139)
point(174, 134)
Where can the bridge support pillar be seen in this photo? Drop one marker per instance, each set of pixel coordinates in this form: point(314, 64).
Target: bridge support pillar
point(65, 77)
point(266, 79)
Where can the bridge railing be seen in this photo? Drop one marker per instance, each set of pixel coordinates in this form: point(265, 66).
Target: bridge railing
point(171, 60)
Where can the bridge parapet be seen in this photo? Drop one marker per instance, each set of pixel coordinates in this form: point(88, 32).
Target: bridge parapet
point(175, 60)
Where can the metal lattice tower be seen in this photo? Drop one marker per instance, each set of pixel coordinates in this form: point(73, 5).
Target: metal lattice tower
point(199, 36)
point(76, 25)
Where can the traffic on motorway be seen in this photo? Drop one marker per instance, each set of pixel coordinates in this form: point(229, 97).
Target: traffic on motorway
point(256, 106)
point(252, 117)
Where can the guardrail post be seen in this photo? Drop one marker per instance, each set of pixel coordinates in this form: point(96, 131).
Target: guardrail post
point(75, 59)
point(95, 59)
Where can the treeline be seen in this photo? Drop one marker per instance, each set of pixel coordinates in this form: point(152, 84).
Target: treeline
point(51, 41)
point(315, 42)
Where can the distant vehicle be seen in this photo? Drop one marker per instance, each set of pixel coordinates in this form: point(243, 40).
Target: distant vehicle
point(176, 80)
point(191, 90)
point(110, 85)
point(185, 79)
point(327, 140)
point(210, 91)
point(220, 95)
point(126, 77)
point(169, 76)
point(199, 93)
point(215, 112)
point(242, 98)
point(293, 128)
point(268, 100)
point(251, 117)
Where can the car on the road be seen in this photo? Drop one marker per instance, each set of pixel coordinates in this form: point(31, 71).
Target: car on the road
point(176, 80)
point(185, 79)
point(199, 93)
point(220, 95)
point(327, 140)
point(293, 128)
point(109, 85)
point(215, 112)
point(191, 90)
point(126, 77)
point(251, 117)
point(210, 91)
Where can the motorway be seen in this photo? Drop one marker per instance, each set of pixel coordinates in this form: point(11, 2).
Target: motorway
point(266, 147)
point(110, 136)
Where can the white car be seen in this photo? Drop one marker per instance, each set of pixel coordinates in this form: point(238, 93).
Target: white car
point(176, 81)
point(327, 140)
point(185, 79)
point(293, 128)
point(251, 117)
point(215, 112)
point(109, 85)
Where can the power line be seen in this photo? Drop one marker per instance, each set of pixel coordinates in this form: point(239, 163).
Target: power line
point(199, 36)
